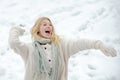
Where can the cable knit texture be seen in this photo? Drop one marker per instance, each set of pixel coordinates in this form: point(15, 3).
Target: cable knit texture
point(66, 47)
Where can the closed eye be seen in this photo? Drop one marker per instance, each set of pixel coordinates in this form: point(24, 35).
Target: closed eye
point(44, 24)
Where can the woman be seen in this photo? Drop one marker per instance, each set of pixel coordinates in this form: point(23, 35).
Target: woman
point(46, 58)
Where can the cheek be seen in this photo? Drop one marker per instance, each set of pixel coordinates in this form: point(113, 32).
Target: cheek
point(41, 29)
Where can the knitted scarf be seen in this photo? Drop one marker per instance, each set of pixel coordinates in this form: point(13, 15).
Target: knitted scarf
point(40, 64)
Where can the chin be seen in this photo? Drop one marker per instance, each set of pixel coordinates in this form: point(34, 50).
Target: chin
point(47, 37)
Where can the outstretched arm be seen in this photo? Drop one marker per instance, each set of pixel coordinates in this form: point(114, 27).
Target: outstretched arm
point(14, 42)
point(73, 46)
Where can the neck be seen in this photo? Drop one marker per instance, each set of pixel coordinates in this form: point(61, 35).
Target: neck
point(43, 40)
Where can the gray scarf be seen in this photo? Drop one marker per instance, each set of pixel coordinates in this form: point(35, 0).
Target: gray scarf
point(40, 64)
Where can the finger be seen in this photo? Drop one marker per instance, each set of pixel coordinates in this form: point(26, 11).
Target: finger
point(105, 52)
point(113, 52)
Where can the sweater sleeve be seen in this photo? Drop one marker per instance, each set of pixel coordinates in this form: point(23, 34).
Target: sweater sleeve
point(15, 44)
point(74, 46)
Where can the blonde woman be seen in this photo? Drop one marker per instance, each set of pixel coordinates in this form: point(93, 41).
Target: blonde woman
point(46, 58)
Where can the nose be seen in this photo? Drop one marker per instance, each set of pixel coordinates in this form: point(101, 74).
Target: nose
point(48, 26)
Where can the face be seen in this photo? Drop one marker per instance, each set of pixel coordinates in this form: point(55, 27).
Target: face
point(45, 29)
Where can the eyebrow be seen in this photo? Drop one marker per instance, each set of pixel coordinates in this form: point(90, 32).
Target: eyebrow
point(45, 23)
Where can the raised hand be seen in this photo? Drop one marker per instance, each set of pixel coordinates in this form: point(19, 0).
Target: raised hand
point(18, 28)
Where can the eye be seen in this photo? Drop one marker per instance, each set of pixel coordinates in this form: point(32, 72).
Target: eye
point(50, 25)
point(44, 24)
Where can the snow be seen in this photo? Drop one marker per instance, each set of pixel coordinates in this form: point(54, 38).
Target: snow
point(92, 19)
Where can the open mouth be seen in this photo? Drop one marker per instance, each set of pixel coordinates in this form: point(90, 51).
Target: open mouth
point(48, 32)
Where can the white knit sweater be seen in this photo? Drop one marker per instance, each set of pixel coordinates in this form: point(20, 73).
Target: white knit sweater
point(67, 48)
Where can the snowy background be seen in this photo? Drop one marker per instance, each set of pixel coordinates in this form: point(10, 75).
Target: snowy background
point(92, 19)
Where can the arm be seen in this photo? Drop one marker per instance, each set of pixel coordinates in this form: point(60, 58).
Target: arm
point(15, 44)
point(73, 46)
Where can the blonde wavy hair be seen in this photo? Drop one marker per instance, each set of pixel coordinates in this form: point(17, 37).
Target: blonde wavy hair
point(35, 30)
